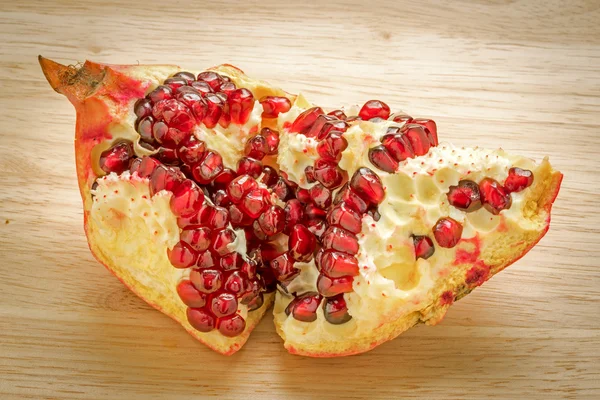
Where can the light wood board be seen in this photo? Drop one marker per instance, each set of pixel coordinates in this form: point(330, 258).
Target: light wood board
point(523, 74)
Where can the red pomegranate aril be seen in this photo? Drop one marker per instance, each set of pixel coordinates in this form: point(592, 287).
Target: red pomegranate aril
point(336, 264)
point(332, 146)
point(187, 199)
point(447, 232)
point(305, 308)
point(219, 218)
point(175, 114)
point(423, 247)
point(305, 120)
point(227, 88)
point(214, 109)
point(317, 227)
point(206, 260)
point(241, 102)
point(167, 156)
point(309, 172)
point(269, 176)
point(201, 319)
point(249, 166)
point(222, 240)
point(235, 283)
point(340, 239)
point(200, 110)
point(182, 255)
point(162, 92)
point(465, 196)
point(160, 131)
point(335, 310)
point(165, 178)
point(383, 160)
point(117, 158)
point(518, 179)
point(294, 212)
point(256, 147)
point(318, 125)
point(272, 221)
point(402, 118)
point(187, 95)
point(493, 196)
point(320, 195)
point(144, 128)
point(283, 267)
point(134, 166)
point(223, 179)
point(367, 185)
point(303, 195)
point(339, 114)
point(221, 198)
point(272, 138)
point(302, 243)
point(248, 268)
point(142, 108)
point(311, 211)
point(254, 202)
point(197, 220)
point(231, 261)
point(418, 138)
point(202, 87)
point(328, 286)
point(398, 146)
point(238, 218)
point(374, 213)
point(345, 217)
point(189, 295)
point(282, 190)
point(232, 326)
point(256, 302)
point(331, 126)
point(274, 105)
point(223, 304)
point(207, 280)
point(198, 238)
point(241, 185)
point(430, 129)
point(175, 83)
point(351, 199)
point(328, 173)
point(210, 166)
point(213, 79)
point(188, 77)
point(373, 109)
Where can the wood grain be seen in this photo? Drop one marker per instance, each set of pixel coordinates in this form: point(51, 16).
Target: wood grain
point(523, 74)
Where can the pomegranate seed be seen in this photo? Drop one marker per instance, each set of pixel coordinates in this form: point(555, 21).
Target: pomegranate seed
point(304, 121)
point(200, 319)
point(256, 302)
point(241, 185)
point(383, 160)
point(423, 247)
point(142, 108)
point(329, 127)
point(196, 220)
point(175, 114)
point(167, 156)
point(227, 87)
point(200, 110)
point(339, 114)
point(402, 118)
point(332, 146)
point(223, 239)
point(272, 138)
point(206, 260)
point(208, 168)
point(202, 87)
point(238, 218)
point(254, 202)
point(351, 199)
point(304, 308)
point(188, 95)
point(192, 151)
point(418, 138)
point(165, 178)
point(189, 295)
point(147, 166)
point(175, 83)
point(213, 79)
point(160, 93)
point(182, 255)
point(336, 264)
point(373, 109)
point(340, 239)
point(223, 304)
point(257, 147)
point(224, 178)
point(198, 238)
point(283, 267)
point(294, 212)
point(282, 190)
point(187, 199)
point(274, 105)
point(221, 198)
point(241, 102)
point(447, 232)
point(333, 286)
point(309, 172)
point(335, 310)
point(214, 109)
point(272, 221)
point(319, 124)
point(302, 243)
point(465, 196)
point(493, 196)
point(117, 158)
point(311, 211)
point(367, 185)
point(232, 326)
point(219, 218)
point(398, 146)
point(345, 217)
point(269, 177)
point(320, 195)
point(207, 280)
point(328, 173)
point(303, 195)
point(430, 129)
point(518, 179)
point(144, 128)
point(160, 131)
point(188, 77)
point(249, 166)
point(317, 227)
point(235, 283)
point(374, 213)
point(231, 261)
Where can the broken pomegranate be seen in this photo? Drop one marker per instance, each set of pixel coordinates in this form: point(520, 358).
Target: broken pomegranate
point(212, 195)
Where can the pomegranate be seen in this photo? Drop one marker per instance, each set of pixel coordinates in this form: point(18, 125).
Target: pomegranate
point(212, 195)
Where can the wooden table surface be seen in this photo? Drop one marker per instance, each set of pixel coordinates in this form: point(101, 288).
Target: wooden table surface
point(522, 74)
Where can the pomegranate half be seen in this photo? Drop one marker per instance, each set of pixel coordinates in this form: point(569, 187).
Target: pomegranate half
point(211, 195)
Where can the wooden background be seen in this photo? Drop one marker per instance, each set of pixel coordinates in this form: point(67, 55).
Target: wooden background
point(521, 74)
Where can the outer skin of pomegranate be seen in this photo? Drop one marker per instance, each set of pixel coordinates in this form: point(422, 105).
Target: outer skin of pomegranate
point(102, 96)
